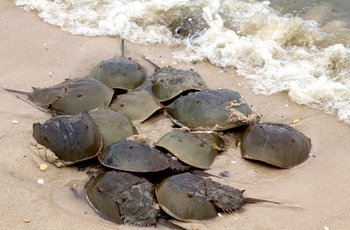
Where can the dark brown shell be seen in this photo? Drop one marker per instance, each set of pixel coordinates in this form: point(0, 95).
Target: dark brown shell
point(123, 197)
point(215, 110)
point(72, 138)
point(276, 144)
point(188, 197)
point(133, 156)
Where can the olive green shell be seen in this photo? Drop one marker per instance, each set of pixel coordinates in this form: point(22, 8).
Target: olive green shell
point(123, 197)
point(189, 197)
point(119, 73)
point(276, 144)
point(137, 105)
point(72, 138)
point(114, 125)
point(216, 110)
point(190, 148)
point(169, 83)
point(73, 96)
point(102, 202)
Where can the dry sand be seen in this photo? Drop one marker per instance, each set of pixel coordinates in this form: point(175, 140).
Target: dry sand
point(315, 194)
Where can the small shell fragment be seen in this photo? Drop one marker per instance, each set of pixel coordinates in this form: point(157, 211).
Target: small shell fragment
point(224, 174)
point(43, 167)
point(14, 121)
point(26, 220)
point(296, 121)
point(40, 181)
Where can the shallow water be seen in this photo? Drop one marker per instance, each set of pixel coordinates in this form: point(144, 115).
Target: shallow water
point(300, 47)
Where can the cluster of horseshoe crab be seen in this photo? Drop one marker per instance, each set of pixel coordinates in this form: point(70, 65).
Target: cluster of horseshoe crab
point(140, 183)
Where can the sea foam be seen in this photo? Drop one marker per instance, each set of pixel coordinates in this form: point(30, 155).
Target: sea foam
point(304, 51)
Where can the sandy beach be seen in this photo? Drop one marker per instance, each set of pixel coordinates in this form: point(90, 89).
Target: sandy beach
point(314, 195)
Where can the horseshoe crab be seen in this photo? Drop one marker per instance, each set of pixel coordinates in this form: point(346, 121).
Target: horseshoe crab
point(215, 110)
point(119, 72)
point(71, 96)
point(137, 105)
point(196, 149)
point(169, 82)
point(72, 138)
point(123, 197)
point(188, 197)
point(133, 156)
point(188, 25)
point(274, 143)
point(113, 125)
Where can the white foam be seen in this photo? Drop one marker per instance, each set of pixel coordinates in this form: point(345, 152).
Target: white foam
point(306, 56)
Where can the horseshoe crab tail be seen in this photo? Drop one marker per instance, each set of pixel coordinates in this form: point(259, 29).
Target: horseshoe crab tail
point(152, 63)
point(30, 100)
point(255, 200)
point(169, 224)
point(122, 48)
point(202, 173)
point(17, 92)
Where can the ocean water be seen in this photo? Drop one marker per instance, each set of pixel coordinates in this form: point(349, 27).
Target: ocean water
point(297, 46)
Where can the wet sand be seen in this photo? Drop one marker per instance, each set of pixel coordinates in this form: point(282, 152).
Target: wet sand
point(315, 194)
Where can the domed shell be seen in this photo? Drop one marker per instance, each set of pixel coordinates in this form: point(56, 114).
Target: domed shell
point(119, 73)
point(137, 105)
point(72, 138)
point(276, 144)
point(133, 156)
point(190, 148)
point(113, 125)
point(169, 83)
point(215, 110)
point(188, 197)
point(123, 197)
point(184, 198)
point(73, 96)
